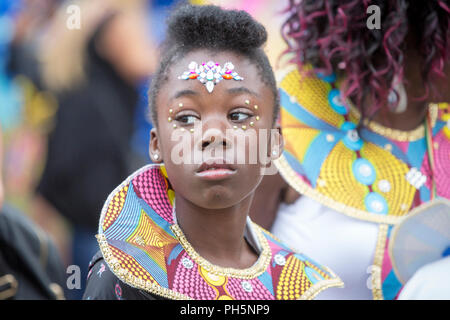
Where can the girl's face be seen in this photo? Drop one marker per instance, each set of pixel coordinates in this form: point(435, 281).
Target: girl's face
point(209, 142)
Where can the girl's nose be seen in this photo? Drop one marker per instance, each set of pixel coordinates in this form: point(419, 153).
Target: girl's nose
point(214, 135)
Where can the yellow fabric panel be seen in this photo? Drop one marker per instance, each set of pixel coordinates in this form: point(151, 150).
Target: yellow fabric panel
point(296, 137)
point(312, 94)
point(336, 179)
point(389, 168)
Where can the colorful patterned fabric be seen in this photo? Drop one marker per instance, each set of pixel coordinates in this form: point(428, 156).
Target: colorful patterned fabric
point(145, 248)
point(374, 174)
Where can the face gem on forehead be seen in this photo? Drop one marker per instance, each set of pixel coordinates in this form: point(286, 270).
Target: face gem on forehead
point(210, 73)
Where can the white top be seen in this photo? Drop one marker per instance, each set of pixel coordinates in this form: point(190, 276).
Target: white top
point(431, 282)
point(346, 245)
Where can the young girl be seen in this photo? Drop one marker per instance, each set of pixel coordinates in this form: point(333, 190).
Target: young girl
point(213, 87)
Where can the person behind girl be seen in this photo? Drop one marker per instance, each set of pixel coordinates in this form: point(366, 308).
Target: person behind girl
point(213, 77)
point(370, 106)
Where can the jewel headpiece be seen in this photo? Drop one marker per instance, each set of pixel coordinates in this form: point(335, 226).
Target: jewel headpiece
point(210, 73)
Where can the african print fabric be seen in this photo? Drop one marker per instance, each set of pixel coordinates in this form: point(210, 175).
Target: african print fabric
point(375, 173)
point(145, 248)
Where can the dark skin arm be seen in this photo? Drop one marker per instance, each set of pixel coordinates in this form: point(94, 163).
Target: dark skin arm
point(272, 191)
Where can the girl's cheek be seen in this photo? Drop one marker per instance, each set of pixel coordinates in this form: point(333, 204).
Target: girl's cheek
point(181, 147)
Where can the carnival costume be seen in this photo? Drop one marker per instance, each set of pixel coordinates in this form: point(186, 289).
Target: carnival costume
point(356, 183)
point(148, 257)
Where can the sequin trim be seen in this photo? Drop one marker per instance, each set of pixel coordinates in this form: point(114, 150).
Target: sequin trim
point(250, 273)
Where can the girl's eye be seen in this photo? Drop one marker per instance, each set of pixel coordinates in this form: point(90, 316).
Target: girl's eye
point(239, 116)
point(187, 119)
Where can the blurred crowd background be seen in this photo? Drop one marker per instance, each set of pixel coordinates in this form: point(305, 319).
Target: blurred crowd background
point(73, 105)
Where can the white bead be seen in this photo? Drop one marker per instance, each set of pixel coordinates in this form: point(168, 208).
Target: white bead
point(213, 276)
point(353, 135)
point(187, 263)
point(247, 286)
point(365, 170)
point(279, 259)
point(384, 186)
point(377, 206)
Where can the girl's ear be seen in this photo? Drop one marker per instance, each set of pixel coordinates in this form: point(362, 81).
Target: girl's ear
point(276, 143)
point(154, 147)
point(274, 151)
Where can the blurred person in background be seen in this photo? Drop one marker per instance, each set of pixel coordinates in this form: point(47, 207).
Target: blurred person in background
point(27, 110)
point(94, 72)
point(366, 123)
point(30, 265)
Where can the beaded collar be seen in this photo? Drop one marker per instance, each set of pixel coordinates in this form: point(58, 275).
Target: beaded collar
point(145, 248)
point(374, 174)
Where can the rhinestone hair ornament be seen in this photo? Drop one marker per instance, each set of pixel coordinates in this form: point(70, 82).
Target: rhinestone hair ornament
point(210, 73)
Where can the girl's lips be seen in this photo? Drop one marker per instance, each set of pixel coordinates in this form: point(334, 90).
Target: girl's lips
point(215, 174)
point(215, 171)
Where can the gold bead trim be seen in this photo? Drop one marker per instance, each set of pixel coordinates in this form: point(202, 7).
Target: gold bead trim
point(250, 273)
point(377, 291)
point(394, 134)
point(322, 285)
